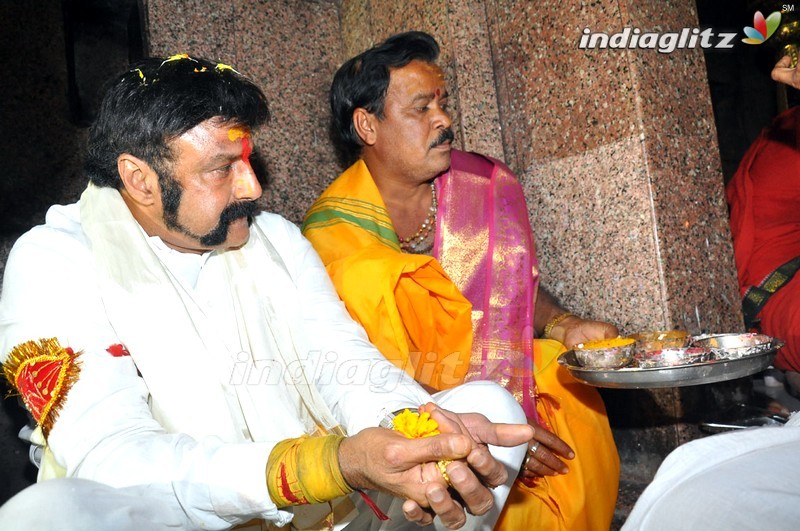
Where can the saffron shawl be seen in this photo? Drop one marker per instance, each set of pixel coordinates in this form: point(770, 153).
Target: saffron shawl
point(398, 298)
point(486, 329)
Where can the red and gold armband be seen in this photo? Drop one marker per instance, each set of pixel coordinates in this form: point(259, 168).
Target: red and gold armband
point(306, 470)
point(42, 372)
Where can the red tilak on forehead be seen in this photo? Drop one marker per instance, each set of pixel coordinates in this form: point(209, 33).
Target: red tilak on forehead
point(438, 92)
point(246, 149)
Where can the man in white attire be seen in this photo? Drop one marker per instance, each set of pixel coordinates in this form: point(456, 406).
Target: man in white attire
point(190, 365)
point(745, 480)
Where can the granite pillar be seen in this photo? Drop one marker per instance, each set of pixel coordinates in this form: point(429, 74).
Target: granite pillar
point(617, 152)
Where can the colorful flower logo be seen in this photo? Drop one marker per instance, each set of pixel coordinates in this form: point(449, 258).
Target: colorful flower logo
point(762, 28)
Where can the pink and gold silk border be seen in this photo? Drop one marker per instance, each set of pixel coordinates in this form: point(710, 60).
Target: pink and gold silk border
point(484, 242)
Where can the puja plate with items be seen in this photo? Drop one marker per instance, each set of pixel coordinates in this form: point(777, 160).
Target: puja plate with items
point(696, 360)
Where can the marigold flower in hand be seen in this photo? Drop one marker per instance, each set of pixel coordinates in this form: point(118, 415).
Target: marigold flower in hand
point(414, 425)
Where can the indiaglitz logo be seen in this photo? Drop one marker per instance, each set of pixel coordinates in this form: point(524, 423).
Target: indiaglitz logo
point(763, 28)
point(666, 42)
point(686, 38)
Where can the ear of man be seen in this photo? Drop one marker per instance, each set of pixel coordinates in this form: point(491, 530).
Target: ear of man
point(139, 180)
point(365, 123)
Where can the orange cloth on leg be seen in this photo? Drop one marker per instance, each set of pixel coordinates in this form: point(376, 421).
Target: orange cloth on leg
point(584, 498)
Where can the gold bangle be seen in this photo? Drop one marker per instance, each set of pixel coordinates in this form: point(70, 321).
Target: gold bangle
point(548, 328)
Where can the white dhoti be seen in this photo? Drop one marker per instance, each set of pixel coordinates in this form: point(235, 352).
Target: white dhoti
point(744, 480)
point(496, 404)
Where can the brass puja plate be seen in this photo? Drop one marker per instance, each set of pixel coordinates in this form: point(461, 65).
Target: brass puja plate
point(718, 369)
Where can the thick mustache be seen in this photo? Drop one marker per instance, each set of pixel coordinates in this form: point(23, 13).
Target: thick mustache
point(444, 136)
point(241, 209)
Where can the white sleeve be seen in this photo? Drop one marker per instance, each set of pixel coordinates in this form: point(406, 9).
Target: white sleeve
point(355, 379)
point(105, 431)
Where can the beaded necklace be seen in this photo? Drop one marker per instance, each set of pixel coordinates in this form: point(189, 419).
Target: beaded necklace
point(411, 243)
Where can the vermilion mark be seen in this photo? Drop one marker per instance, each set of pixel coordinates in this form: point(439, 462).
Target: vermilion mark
point(246, 149)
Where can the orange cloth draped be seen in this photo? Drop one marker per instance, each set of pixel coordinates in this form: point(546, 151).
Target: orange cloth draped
point(764, 196)
point(396, 296)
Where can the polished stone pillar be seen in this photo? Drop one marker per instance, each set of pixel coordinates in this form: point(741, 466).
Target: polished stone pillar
point(618, 155)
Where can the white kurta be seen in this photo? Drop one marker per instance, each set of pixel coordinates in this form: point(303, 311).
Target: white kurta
point(106, 430)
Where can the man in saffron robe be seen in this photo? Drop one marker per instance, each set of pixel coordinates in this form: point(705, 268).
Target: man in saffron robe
point(431, 250)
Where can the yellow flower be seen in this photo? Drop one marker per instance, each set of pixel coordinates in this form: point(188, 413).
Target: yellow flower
point(176, 57)
point(414, 426)
point(221, 67)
